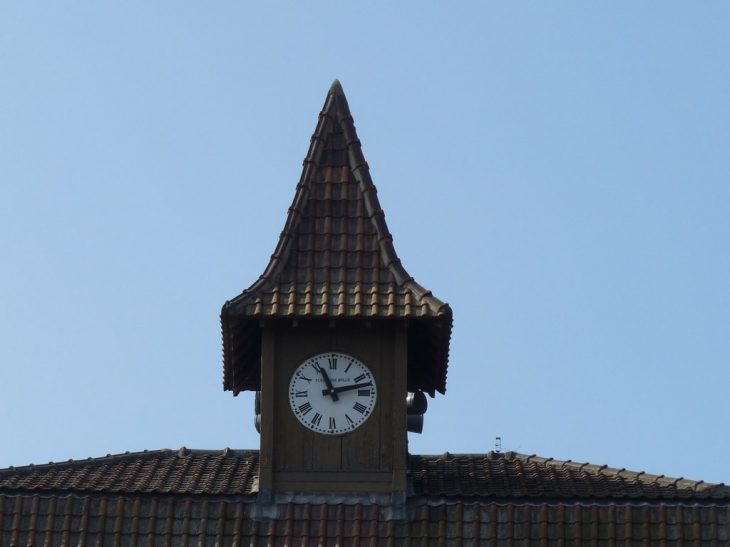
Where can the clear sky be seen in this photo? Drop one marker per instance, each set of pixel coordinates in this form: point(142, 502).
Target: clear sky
point(557, 172)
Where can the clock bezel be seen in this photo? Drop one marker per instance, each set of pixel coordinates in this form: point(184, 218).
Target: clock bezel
point(324, 405)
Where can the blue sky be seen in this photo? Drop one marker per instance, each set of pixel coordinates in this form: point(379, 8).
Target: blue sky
point(557, 172)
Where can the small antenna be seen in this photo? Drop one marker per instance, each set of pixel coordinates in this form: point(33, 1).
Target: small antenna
point(498, 444)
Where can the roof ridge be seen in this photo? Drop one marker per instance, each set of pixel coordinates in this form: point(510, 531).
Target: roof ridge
point(128, 455)
point(85, 461)
point(336, 88)
point(593, 469)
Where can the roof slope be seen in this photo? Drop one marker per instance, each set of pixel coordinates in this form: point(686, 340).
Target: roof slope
point(510, 475)
point(202, 497)
point(226, 472)
point(235, 472)
point(335, 259)
point(146, 521)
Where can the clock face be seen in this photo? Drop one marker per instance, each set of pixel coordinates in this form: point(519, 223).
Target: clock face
point(332, 393)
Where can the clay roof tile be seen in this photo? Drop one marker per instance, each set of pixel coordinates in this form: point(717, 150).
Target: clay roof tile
point(335, 241)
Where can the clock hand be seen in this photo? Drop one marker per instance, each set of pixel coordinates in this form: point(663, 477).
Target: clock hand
point(340, 389)
point(330, 390)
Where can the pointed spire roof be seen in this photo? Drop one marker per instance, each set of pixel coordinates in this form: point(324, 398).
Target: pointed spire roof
point(335, 259)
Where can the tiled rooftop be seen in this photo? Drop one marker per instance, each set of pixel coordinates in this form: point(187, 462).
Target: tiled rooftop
point(166, 522)
point(335, 259)
point(510, 475)
point(205, 498)
point(235, 472)
point(227, 472)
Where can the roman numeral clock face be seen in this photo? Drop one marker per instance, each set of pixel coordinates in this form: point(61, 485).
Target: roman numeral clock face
point(332, 393)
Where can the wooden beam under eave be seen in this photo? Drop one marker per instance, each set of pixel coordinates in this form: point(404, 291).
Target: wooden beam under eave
point(268, 348)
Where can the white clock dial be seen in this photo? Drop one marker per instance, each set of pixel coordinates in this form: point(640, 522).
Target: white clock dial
point(332, 393)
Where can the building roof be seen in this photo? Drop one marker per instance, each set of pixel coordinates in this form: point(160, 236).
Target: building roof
point(235, 472)
point(202, 497)
point(335, 260)
point(169, 522)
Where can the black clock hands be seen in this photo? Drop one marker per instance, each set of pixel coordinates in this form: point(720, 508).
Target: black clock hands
point(330, 390)
point(335, 390)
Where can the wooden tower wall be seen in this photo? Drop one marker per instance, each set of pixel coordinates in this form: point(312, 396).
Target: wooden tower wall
point(370, 459)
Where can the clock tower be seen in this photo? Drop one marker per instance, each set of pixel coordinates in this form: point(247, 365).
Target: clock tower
point(335, 333)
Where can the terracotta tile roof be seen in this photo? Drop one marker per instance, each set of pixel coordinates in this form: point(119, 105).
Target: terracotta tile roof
point(202, 497)
point(37, 520)
point(235, 472)
point(226, 472)
point(510, 475)
point(335, 259)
